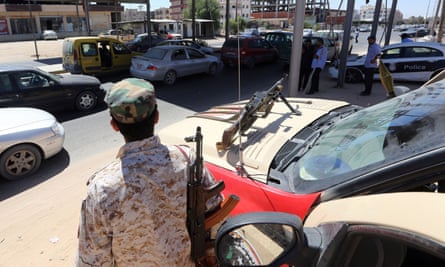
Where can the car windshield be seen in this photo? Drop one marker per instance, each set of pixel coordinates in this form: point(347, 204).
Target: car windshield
point(379, 135)
point(155, 53)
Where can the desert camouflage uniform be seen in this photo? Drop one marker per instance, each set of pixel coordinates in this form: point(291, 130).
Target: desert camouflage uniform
point(135, 211)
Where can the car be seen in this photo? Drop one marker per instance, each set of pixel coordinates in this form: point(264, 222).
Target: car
point(394, 230)
point(364, 28)
point(95, 55)
point(167, 63)
point(282, 41)
point(190, 43)
point(416, 32)
point(336, 36)
point(27, 136)
point(49, 35)
point(276, 158)
point(253, 50)
point(33, 87)
point(250, 32)
point(141, 42)
point(169, 34)
point(412, 61)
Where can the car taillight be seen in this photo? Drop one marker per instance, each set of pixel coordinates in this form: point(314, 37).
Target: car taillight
point(152, 68)
point(243, 52)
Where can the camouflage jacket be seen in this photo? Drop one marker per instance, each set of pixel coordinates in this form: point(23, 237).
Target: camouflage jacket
point(135, 210)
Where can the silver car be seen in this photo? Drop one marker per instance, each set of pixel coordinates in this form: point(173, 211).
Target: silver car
point(27, 135)
point(166, 63)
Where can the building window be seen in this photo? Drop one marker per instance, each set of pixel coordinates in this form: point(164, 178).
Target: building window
point(52, 23)
point(22, 26)
point(73, 24)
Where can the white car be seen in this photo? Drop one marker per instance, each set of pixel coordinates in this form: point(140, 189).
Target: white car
point(412, 61)
point(386, 230)
point(27, 135)
point(49, 35)
point(166, 63)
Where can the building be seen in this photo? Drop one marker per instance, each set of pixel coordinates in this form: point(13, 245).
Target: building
point(367, 14)
point(21, 20)
point(162, 13)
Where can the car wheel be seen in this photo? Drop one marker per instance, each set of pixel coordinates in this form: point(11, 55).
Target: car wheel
point(86, 101)
point(170, 77)
point(251, 63)
point(213, 69)
point(353, 76)
point(20, 161)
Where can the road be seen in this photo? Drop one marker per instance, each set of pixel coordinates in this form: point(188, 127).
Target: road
point(39, 215)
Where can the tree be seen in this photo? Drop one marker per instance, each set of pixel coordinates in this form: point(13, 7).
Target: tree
point(233, 25)
point(204, 9)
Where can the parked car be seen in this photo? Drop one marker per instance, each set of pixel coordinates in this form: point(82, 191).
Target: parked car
point(253, 50)
point(49, 35)
point(416, 32)
point(141, 43)
point(282, 41)
point(33, 87)
point(393, 230)
point(95, 55)
point(364, 28)
point(189, 43)
point(167, 63)
point(413, 61)
point(293, 160)
point(336, 36)
point(27, 136)
point(168, 34)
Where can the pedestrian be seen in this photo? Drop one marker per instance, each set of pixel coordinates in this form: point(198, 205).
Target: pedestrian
point(318, 63)
point(371, 64)
point(306, 62)
point(135, 210)
point(357, 33)
point(405, 38)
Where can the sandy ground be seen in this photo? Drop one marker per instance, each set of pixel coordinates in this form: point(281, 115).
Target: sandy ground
point(43, 231)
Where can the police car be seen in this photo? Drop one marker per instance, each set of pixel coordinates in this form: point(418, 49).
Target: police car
point(413, 61)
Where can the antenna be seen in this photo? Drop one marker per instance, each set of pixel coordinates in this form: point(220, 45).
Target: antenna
point(240, 164)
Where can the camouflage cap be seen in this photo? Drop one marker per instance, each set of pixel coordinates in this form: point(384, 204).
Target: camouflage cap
point(131, 100)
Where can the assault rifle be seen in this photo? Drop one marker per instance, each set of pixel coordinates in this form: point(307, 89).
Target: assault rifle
point(259, 106)
point(198, 221)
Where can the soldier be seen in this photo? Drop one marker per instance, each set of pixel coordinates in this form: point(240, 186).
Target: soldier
point(135, 210)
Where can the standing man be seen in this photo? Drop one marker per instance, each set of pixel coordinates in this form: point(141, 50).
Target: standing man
point(306, 62)
point(405, 38)
point(357, 33)
point(371, 64)
point(318, 63)
point(136, 207)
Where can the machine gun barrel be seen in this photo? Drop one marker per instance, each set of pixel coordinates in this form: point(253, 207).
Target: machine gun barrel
point(259, 105)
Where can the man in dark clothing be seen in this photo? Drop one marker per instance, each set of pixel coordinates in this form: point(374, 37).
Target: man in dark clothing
point(306, 61)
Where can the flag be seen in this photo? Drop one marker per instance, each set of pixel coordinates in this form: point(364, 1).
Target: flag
point(386, 79)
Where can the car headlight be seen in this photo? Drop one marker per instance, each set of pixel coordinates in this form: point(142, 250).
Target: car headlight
point(58, 129)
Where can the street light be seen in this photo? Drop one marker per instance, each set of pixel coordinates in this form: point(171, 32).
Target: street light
point(32, 29)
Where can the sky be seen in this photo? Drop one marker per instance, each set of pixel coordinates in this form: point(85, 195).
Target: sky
point(407, 7)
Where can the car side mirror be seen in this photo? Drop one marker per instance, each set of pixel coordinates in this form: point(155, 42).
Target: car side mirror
point(260, 239)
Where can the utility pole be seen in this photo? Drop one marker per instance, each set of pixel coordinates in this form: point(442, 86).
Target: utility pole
point(148, 22)
point(435, 17)
point(295, 60)
point(375, 22)
point(442, 17)
point(346, 39)
point(193, 21)
point(227, 19)
point(390, 22)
